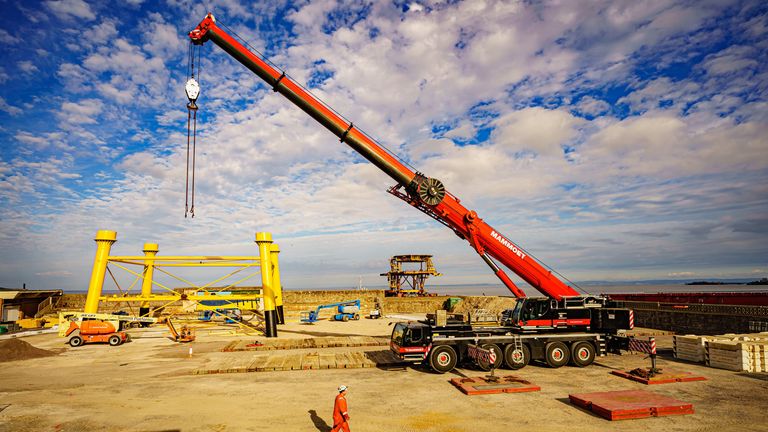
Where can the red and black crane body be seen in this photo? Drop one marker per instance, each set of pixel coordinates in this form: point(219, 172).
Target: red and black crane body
point(563, 308)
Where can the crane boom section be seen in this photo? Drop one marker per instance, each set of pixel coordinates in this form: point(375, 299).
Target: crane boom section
point(465, 223)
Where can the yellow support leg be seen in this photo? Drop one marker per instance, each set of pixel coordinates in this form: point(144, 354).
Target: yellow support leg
point(264, 240)
point(277, 289)
point(150, 250)
point(104, 240)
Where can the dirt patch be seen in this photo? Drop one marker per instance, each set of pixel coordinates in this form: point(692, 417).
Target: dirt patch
point(492, 304)
point(17, 349)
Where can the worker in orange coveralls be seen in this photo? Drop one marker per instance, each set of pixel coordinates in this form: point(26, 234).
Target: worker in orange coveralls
point(340, 414)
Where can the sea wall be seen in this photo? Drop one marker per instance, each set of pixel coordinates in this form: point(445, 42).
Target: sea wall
point(700, 319)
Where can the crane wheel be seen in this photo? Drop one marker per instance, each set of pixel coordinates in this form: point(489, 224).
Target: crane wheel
point(75, 341)
point(517, 358)
point(345, 318)
point(557, 354)
point(443, 358)
point(582, 354)
point(115, 340)
point(356, 317)
point(499, 357)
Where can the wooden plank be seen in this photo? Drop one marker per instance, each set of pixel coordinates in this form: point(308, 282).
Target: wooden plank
point(274, 362)
point(310, 361)
point(257, 361)
point(327, 361)
point(292, 362)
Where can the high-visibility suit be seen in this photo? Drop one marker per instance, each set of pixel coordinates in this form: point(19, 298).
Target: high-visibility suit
point(340, 414)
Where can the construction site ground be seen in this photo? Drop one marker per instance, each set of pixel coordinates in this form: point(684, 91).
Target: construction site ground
point(154, 384)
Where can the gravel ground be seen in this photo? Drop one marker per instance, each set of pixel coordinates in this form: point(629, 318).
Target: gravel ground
point(145, 385)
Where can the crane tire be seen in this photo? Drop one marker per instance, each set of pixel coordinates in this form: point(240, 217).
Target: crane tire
point(75, 341)
point(345, 318)
point(443, 358)
point(517, 359)
point(356, 317)
point(115, 340)
point(582, 353)
point(499, 357)
point(557, 354)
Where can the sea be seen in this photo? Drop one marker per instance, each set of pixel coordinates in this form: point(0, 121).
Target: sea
point(500, 290)
point(584, 288)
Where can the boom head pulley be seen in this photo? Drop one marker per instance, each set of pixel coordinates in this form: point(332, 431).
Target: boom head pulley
point(431, 191)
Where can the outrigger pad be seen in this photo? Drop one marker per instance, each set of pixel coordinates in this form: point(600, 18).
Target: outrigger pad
point(630, 404)
point(504, 384)
point(665, 377)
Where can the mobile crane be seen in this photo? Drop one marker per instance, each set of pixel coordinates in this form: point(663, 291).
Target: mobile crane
point(549, 328)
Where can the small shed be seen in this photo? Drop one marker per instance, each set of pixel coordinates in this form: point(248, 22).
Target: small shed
point(17, 303)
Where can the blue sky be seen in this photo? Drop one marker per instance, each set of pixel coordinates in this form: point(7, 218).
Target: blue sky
point(612, 140)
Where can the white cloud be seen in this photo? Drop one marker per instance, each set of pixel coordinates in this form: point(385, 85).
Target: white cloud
point(27, 67)
point(537, 130)
point(68, 9)
point(8, 38)
point(592, 107)
point(10, 109)
point(100, 34)
point(83, 112)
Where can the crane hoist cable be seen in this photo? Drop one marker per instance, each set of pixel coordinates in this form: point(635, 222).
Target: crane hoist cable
point(192, 89)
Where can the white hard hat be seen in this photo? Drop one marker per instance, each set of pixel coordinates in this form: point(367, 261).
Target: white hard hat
point(342, 388)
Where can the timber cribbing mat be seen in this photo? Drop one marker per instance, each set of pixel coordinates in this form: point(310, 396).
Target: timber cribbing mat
point(667, 376)
point(300, 361)
point(630, 404)
point(319, 342)
point(504, 384)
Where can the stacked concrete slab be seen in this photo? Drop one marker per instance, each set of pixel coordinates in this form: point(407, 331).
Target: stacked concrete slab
point(742, 352)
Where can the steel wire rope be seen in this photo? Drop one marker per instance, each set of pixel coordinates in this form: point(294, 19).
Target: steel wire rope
point(326, 105)
point(541, 263)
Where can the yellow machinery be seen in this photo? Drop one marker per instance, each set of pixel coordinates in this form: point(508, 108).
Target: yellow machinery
point(405, 282)
point(271, 291)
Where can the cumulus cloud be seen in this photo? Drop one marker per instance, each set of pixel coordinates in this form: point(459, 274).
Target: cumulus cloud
point(10, 109)
point(7, 38)
point(27, 67)
point(69, 9)
point(84, 111)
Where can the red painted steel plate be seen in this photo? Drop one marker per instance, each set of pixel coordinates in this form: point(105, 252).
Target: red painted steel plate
point(630, 404)
point(667, 376)
point(506, 384)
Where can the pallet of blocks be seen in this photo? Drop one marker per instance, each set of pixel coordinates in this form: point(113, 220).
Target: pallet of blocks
point(693, 347)
point(749, 356)
point(689, 347)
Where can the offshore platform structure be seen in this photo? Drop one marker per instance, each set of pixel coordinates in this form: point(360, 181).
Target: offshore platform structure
point(409, 281)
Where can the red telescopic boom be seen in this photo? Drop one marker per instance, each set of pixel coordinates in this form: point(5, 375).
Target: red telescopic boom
point(426, 194)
